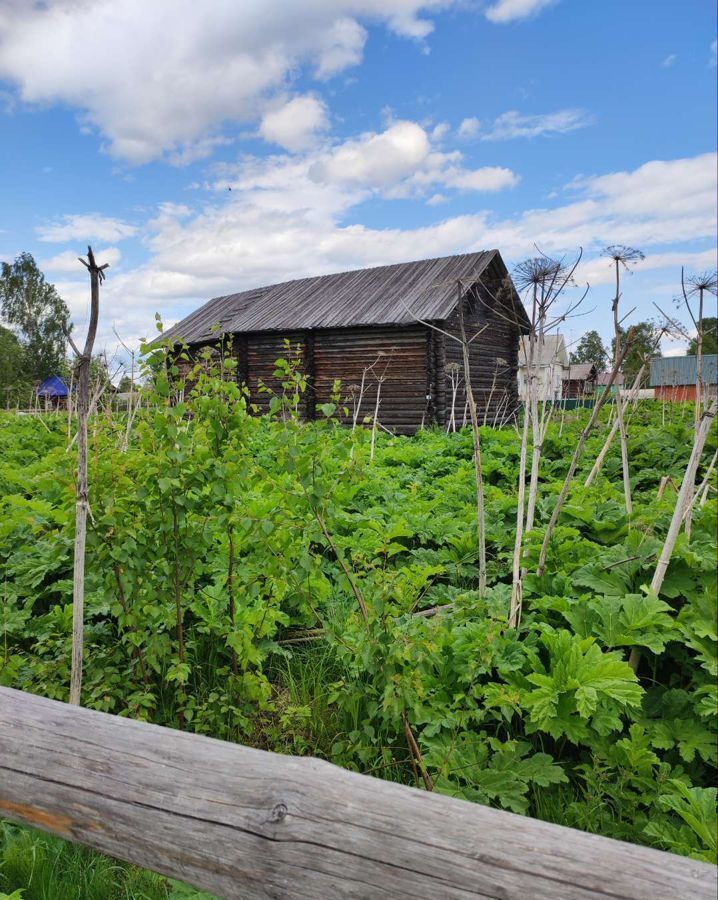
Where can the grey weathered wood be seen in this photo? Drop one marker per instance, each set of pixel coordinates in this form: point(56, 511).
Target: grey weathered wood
point(81, 488)
point(246, 823)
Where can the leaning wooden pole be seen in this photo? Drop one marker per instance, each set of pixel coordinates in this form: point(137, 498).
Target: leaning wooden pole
point(619, 404)
point(685, 496)
point(81, 493)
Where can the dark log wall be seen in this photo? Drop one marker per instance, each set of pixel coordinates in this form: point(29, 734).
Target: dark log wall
point(493, 355)
point(396, 355)
point(263, 350)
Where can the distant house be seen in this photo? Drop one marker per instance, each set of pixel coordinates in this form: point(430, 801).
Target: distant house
point(550, 359)
point(603, 379)
point(579, 380)
point(674, 377)
point(373, 327)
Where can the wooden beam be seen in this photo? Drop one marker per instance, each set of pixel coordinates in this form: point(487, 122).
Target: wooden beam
point(243, 822)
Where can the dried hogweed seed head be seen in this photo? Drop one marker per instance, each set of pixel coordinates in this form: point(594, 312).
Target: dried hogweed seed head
point(626, 256)
point(705, 281)
point(536, 271)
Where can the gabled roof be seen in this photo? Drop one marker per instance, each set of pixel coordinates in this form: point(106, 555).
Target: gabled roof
point(385, 295)
point(579, 372)
point(604, 377)
point(549, 351)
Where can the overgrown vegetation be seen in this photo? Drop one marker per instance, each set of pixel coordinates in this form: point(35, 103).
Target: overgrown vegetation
point(267, 581)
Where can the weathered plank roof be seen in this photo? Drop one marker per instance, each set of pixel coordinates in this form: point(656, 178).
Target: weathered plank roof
point(385, 295)
point(579, 372)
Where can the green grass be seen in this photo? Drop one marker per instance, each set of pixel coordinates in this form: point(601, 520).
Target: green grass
point(40, 867)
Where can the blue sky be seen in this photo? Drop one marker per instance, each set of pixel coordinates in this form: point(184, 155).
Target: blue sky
point(204, 148)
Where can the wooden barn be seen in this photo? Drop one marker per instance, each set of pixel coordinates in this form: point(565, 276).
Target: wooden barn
point(392, 329)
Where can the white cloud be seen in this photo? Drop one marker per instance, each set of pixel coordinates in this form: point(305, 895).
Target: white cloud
point(504, 11)
point(341, 47)
point(398, 162)
point(489, 178)
point(294, 125)
point(85, 227)
point(278, 224)
point(439, 132)
point(164, 77)
point(374, 160)
point(713, 61)
point(469, 127)
point(513, 124)
point(194, 150)
point(67, 261)
point(669, 61)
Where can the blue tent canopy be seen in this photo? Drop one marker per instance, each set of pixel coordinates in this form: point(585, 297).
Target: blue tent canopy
point(53, 386)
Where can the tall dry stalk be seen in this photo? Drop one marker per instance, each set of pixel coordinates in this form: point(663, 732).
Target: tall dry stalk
point(375, 419)
point(576, 457)
point(81, 497)
point(684, 498)
point(624, 402)
point(453, 371)
point(697, 285)
point(622, 257)
point(546, 280)
point(478, 472)
point(706, 485)
point(470, 407)
point(516, 577)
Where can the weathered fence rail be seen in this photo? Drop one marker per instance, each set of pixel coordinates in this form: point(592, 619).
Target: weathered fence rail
point(246, 823)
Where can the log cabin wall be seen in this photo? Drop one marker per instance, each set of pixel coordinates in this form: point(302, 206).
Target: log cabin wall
point(257, 369)
point(396, 355)
point(493, 355)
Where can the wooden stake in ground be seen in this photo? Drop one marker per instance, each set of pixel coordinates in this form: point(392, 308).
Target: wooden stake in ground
point(81, 502)
point(683, 501)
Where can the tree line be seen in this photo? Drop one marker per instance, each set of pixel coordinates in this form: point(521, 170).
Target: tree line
point(33, 322)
